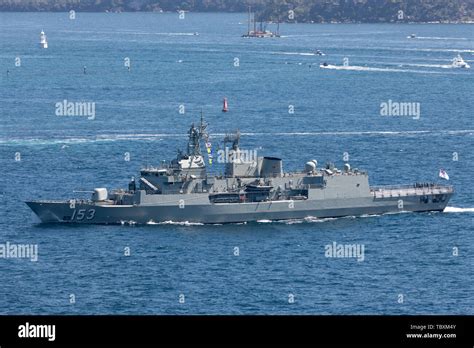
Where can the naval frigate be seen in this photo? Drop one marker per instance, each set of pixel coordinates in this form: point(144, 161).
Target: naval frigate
point(250, 189)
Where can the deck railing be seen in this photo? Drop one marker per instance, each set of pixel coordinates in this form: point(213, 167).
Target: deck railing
point(410, 190)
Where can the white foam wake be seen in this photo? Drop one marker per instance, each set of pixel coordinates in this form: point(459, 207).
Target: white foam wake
point(442, 66)
point(65, 142)
point(178, 223)
point(308, 219)
point(295, 53)
point(129, 32)
point(382, 133)
point(129, 223)
point(440, 38)
point(458, 210)
point(367, 68)
point(456, 50)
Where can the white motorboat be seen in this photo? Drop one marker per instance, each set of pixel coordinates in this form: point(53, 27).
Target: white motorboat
point(319, 53)
point(458, 62)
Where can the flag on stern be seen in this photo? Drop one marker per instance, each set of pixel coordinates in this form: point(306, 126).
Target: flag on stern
point(443, 174)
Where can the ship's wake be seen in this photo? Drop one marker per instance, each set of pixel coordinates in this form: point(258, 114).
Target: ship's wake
point(458, 210)
point(177, 223)
point(441, 66)
point(308, 219)
point(376, 69)
point(295, 53)
point(312, 219)
point(66, 142)
point(440, 38)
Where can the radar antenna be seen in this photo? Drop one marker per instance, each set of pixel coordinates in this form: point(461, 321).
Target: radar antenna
point(233, 138)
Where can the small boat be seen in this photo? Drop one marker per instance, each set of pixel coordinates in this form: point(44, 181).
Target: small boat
point(319, 53)
point(458, 62)
point(411, 36)
point(225, 107)
point(258, 188)
point(324, 64)
point(43, 40)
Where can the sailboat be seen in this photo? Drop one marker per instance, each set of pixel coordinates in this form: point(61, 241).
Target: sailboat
point(43, 40)
point(225, 107)
point(262, 32)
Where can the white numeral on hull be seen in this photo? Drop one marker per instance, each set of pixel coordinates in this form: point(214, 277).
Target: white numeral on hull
point(80, 214)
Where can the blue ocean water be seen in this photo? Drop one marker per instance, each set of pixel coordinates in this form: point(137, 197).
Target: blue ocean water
point(196, 62)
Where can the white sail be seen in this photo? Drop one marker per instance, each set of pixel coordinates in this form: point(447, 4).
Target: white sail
point(43, 40)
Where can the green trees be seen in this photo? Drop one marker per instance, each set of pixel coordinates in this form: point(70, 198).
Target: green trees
point(304, 10)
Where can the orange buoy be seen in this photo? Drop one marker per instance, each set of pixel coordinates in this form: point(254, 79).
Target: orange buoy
point(225, 108)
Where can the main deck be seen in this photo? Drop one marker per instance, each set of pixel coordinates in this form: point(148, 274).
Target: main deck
point(410, 190)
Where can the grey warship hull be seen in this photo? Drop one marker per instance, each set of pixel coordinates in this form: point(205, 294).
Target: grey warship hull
point(251, 189)
point(199, 210)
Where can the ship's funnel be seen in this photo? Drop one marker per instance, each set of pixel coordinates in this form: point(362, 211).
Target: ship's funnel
point(271, 167)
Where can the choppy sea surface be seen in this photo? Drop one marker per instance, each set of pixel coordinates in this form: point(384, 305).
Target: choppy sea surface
point(413, 263)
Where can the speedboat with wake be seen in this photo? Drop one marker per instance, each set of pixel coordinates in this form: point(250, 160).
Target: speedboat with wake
point(458, 62)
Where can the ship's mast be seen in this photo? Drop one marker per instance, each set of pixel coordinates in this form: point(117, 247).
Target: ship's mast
point(248, 22)
point(193, 142)
point(202, 129)
point(254, 24)
point(195, 136)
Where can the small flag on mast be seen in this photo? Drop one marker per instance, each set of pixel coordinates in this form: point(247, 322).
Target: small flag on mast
point(209, 151)
point(443, 174)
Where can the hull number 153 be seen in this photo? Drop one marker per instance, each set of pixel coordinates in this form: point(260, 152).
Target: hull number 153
point(80, 214)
